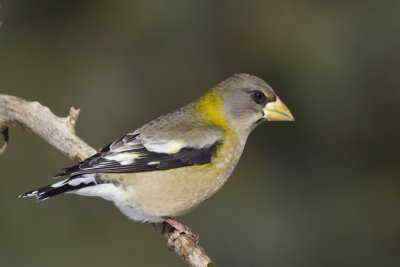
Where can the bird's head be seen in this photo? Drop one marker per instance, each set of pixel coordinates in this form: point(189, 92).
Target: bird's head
point(247, 101)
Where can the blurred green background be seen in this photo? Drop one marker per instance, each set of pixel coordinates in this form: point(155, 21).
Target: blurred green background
point(323, 191)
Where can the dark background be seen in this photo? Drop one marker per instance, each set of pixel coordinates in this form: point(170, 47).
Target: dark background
point(322, 191)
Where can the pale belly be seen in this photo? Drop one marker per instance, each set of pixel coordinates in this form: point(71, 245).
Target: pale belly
point(149, 196)
point(168, 193)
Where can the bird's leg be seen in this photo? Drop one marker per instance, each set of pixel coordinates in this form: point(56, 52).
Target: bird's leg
point(179, 229)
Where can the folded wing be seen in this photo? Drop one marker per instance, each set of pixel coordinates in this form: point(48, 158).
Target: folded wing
point(134, 154)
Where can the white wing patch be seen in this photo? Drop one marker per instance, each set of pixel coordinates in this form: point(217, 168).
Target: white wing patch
point(61, 183)
point(78, 181)
point(168, 147)
point(124, 158)
point(73, 182)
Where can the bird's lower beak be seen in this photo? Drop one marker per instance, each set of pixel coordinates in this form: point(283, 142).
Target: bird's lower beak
point(277, 111)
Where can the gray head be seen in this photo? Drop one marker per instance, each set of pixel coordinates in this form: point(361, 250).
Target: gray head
point(248, 101)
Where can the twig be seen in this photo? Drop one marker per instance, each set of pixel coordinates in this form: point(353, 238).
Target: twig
point(60, 132)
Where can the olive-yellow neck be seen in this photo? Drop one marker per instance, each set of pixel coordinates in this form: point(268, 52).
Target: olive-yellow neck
point(211, 107)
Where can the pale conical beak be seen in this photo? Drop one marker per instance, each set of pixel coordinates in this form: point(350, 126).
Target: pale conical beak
point(277, 111)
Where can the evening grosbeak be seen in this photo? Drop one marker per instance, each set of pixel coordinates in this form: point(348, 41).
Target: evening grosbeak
point(174, 163)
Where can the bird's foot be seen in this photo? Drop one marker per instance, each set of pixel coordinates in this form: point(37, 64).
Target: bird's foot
point(179, 229)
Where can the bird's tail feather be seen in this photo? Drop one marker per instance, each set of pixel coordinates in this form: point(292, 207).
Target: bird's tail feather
point(66, 185)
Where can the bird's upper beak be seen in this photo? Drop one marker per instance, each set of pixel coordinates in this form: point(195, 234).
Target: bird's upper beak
point(277, 111)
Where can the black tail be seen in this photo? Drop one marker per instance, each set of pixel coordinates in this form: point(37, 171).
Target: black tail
point(70, 184)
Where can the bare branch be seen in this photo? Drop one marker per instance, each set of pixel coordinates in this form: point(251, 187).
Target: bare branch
point(60, 132)
point(4, 145)
point(32, 116)
point(185, 247)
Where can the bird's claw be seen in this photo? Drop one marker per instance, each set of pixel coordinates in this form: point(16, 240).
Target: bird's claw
point(179, 229)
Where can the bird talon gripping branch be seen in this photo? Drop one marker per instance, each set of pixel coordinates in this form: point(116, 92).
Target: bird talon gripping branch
point(174, 163)
point(179, 229)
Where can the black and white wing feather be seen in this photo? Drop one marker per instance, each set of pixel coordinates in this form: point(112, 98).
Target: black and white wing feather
point(133, 153)
point(175, 140)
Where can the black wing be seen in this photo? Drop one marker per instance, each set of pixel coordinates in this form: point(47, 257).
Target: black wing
point(129, 155)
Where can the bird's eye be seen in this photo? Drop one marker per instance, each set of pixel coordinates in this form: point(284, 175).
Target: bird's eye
point(258, 97)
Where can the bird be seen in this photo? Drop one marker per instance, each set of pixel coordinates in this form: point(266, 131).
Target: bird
point(174, 163)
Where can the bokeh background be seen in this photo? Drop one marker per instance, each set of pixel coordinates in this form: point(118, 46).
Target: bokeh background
point(322, 191)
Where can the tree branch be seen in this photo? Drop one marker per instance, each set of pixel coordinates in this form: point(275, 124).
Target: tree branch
point(60, 133)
